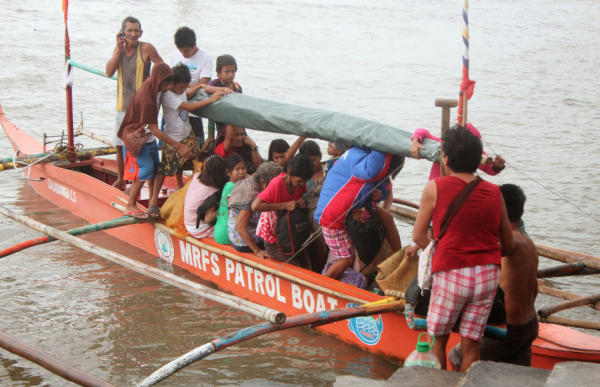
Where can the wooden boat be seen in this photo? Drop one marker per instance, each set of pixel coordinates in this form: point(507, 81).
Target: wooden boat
point(84, 188)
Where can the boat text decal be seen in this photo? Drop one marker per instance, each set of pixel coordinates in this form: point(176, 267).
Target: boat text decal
point(62, 190)
point(164, 245)
point(367, 329)
point(307, 300)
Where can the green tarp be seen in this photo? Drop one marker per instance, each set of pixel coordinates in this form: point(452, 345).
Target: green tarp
point(276, 117)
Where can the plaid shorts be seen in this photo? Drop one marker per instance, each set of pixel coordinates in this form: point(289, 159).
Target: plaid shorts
point(469, 290)
point(172, 162)
point(338, 242)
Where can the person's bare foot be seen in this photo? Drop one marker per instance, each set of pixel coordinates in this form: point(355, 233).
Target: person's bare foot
point(179, 187)
point(127, 191)
point(120, 184)
point(135, 212)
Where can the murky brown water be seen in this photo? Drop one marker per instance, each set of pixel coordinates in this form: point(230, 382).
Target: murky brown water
point(536, 64)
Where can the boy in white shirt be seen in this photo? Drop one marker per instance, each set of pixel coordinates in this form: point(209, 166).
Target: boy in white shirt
point(177, 126)
point(200, 64)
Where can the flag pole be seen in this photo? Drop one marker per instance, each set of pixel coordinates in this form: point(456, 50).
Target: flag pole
point(69, 89)
point(467, 86)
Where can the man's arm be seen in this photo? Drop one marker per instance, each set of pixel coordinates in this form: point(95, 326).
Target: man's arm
point(259, 205)
point(200, 104)
point(424, 215)
point(507, 242)
point(149, 52)
point(241, 226)
point(113, 63)
point(256, 159)
point(181, 148)
point(204, 80)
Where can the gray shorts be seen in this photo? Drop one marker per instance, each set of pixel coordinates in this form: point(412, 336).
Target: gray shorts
point(116, 141)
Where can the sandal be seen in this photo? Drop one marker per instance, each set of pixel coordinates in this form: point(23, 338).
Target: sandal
point(138, 214)
point(153, 212)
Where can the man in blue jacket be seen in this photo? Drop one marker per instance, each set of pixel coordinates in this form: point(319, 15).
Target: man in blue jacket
point(359, 177)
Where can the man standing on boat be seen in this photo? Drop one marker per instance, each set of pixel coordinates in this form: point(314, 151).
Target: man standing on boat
point(132, 59)
point(518, 280)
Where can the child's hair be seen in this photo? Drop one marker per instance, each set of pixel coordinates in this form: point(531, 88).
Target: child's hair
point(213, 173)
point(168, 79)
point(301, 166)
point(515, 198)
point(310, 148)
point(225, 60)
point(231, 161)
point(279, 146)
point(181, 74)
point(185, 37)
point(396, 165)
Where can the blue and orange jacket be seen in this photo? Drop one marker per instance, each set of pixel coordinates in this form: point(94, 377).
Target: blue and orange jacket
point(348, 186)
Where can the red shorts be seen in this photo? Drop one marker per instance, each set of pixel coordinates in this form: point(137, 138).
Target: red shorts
point(469, 290)
point(338, 242)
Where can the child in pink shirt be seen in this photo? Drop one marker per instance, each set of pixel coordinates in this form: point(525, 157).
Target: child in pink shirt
point(420, 134)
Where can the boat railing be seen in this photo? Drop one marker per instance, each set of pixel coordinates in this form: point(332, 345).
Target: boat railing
point(89, 69)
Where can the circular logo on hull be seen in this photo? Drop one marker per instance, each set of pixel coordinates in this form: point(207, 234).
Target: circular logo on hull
point(367, 329)
point(164, 245)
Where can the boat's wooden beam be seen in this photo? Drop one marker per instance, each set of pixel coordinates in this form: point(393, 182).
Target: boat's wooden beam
point(320, 318)
point(85, 153)
point(94, 136)
point(569, 322)
point(543, 289)
point(113, 223)
point(565, 270)
point(547, 311)
point(554, 253)
point(50, 363)
point(171, 279)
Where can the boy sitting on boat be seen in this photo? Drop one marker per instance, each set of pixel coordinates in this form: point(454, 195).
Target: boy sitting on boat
point(177, 154)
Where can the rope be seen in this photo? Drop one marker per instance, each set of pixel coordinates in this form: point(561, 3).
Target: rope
point(540, 184)
point(316, 235)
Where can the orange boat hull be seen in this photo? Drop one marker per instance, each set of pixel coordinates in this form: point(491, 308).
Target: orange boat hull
point(89, 196)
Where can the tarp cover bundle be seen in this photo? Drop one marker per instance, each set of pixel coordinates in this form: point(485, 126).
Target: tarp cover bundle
point(277, 117)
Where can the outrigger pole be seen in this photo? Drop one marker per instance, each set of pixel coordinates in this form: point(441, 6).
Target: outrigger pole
point(51, 363)
point(171, 279)
point(323, 317)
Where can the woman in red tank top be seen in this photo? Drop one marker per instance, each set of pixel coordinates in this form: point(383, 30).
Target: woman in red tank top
point(466, 263)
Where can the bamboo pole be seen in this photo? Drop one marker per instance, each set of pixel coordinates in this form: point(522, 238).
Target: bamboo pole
point(113, 223)
point(565, 270)
point(562, 294)
point(406, 203)
point(252, 263)
point(567, 256)
point(554, 253)
point(51, 363)
point(94, 136)
point(321, 318)
point(569, 322)
point(85, 153)
point(547, 311)
point(171, 279)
